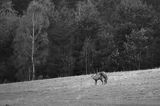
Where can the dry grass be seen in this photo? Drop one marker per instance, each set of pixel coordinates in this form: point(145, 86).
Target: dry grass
point(123, 89)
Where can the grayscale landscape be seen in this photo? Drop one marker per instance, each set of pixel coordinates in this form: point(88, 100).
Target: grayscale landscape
point(79, 52)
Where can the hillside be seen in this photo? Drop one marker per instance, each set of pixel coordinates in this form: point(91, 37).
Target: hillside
point(139, 88)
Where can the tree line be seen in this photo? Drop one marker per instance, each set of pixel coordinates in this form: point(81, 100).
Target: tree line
point(56, 38)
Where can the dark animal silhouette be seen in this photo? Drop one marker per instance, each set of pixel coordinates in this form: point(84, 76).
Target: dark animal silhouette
point(102, 76)
point(97, 77)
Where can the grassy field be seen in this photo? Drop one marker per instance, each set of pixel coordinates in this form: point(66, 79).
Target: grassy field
point(136, 88)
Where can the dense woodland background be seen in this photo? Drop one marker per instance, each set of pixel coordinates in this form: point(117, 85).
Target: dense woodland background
point(56, 38)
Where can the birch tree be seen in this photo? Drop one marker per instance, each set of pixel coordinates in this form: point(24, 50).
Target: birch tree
point(31, 40)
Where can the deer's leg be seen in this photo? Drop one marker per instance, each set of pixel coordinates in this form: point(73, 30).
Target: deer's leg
point(95, 82)
point(102, 81)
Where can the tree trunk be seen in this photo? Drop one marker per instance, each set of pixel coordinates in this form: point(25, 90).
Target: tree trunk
point(86, 61)
point(32, 58)
point(139, 62)
point(29, 74)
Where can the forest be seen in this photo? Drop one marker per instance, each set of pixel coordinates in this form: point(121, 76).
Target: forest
point(42, 39)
